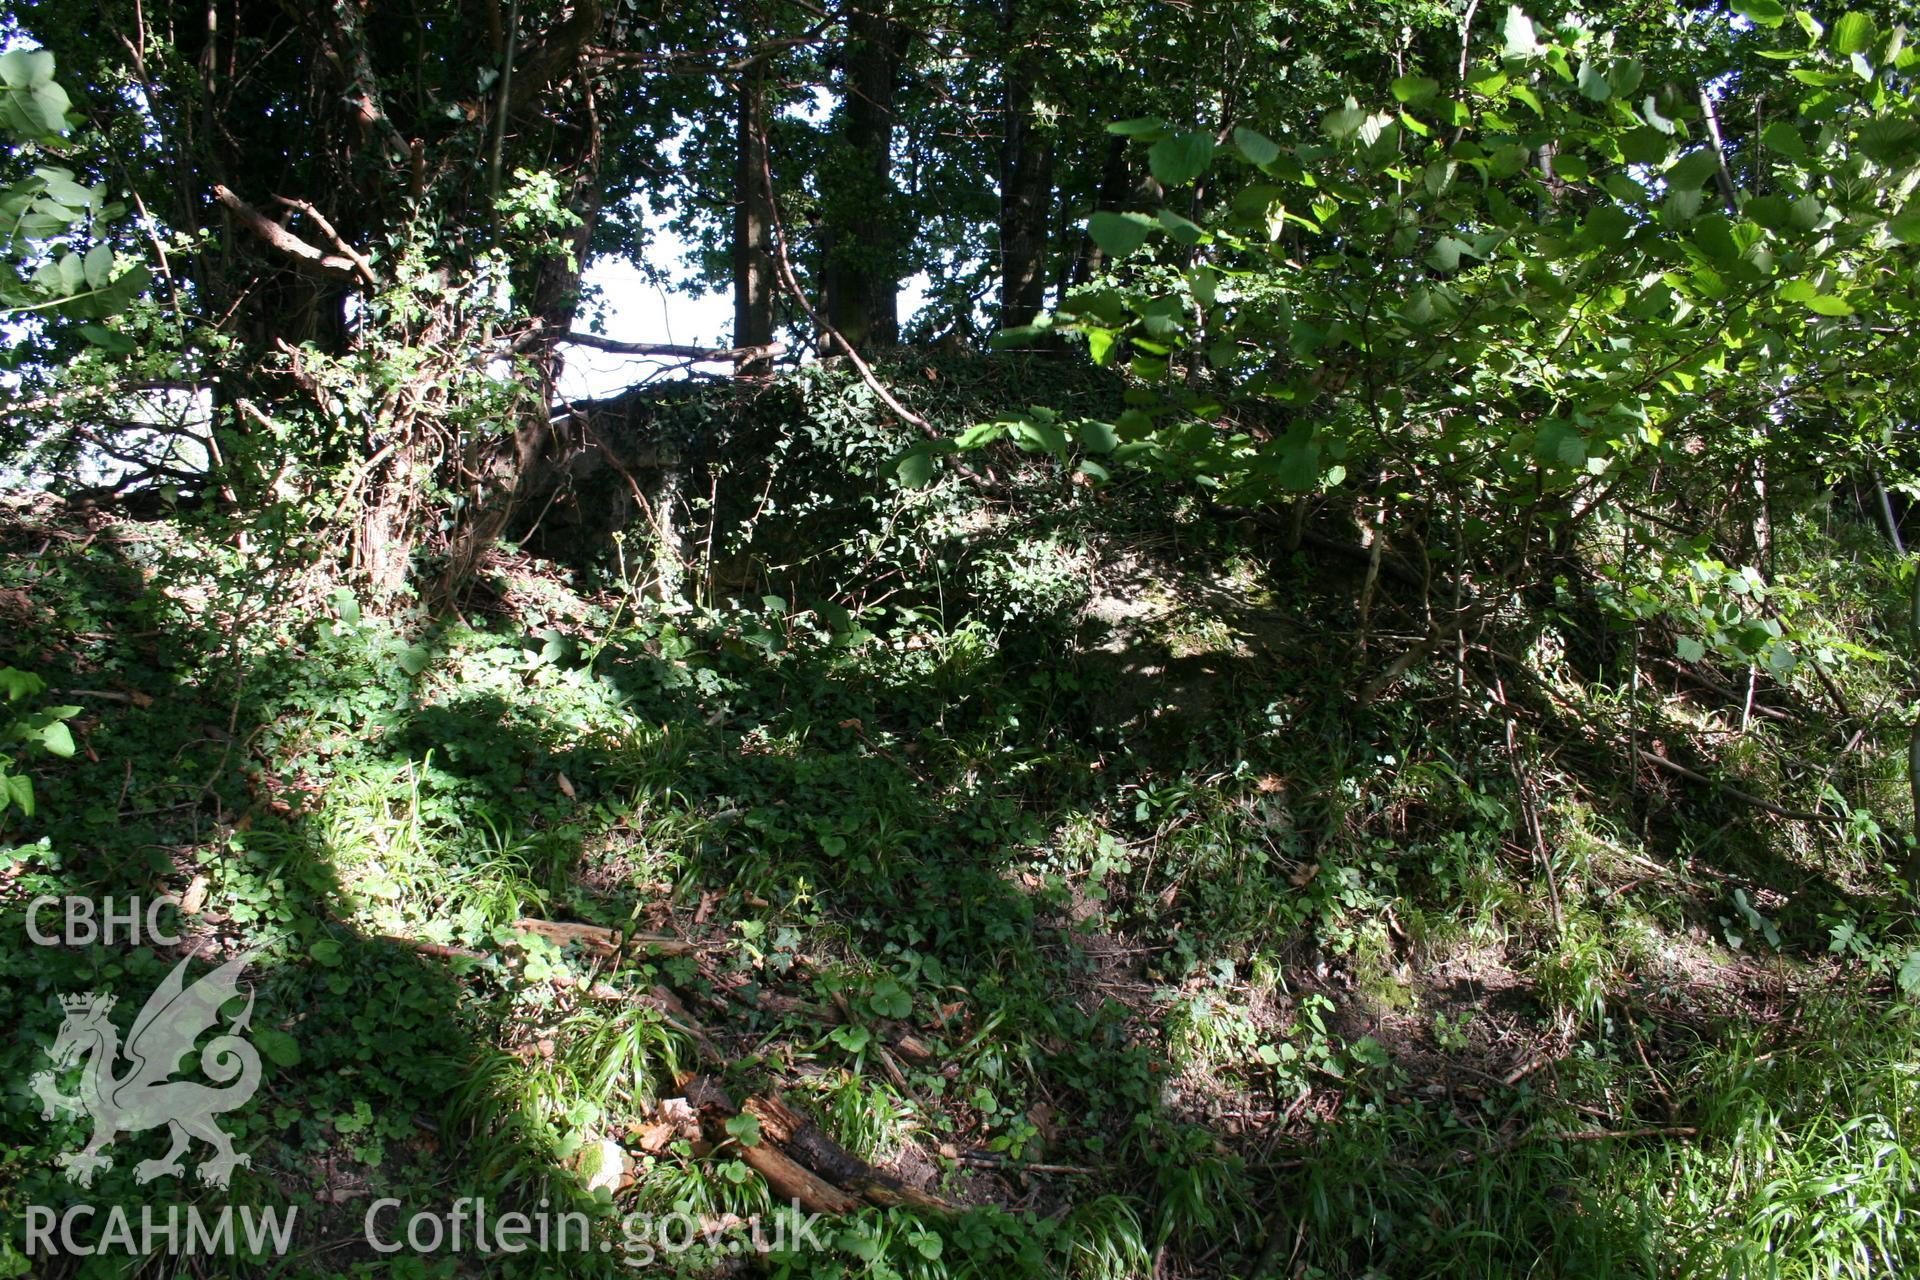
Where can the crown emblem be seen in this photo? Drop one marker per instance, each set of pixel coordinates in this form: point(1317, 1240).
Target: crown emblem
point(87, 1002)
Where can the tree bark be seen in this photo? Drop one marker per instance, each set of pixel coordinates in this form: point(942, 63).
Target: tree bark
point(1026, 186)
point(1116, 185)
point(862, 250)
point(550, 284)
point(752, 222)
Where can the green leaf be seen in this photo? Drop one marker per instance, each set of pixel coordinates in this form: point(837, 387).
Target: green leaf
point(1519, 35)
point(18, 684)
point(98, 265)
point(26, 68)
point(1415, 89)
point(73, 274)
point(1644, 146)
point(1625, 75)
point(1038, 437)
point(277, 1045)
point(1181, 229)
point(107, 339)
point(49, 104)
point(890, 999)
point(1826, 304)
point(1692, 170)
point(1910, 973)
point(1100, 345)
point(1690, 649)
point(1101, 437)
point(744, 1129)
point(58, 739)
point(1178, 160)
point(852, 1039)
point(1141, 127)
point(1256, 147)
point(1020, 335)
point(1299, 464)
point(1445, 254)
point(1853, 33)
point(1761, 13)
point(327, 952)
point(1888, 142)
point(980, 434)
point(1344, 122)
point(1905, 225)
point(915, 468)
point(1119, 234)
point(1204, 285)
point(1509, 160)
point(19, 790)
point(865, 1247)
point(1785, 139)
point(1607, 225)
point(1559, 443)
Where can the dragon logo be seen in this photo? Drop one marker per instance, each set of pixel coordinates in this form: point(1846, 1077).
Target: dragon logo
point(144, 1096)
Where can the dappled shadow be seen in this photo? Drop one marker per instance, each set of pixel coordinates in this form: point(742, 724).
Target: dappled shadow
point(372, 1048)
point(1141, 903)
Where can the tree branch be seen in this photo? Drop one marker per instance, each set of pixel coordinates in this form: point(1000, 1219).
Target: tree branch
point(551, 58)
point(333, 266)
point(353, 255)
point(674, 350)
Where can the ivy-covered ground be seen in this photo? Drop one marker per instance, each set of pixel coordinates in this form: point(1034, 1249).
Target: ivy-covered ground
point(1044, 852)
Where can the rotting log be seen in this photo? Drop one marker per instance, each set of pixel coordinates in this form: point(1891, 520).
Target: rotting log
point(798, 1160)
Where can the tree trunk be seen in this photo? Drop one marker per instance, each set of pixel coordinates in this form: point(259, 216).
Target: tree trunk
point(862, 249)
point(551, 287)
point(1115, 188)
point(752, 223)
point(1026, 187)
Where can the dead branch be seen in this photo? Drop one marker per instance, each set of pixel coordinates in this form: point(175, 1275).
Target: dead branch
point(988, 1160)
point(331, 265)
point(831, 1160)
point(1598, 1135)
point(438, 950)
point(319, 220)
point(602, 940)
point(661, 999)
point(675, 350)
point(1731, 792)
point(798, 1160)
point(788, 1179)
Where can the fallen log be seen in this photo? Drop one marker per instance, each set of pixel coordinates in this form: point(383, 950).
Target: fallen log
point(788, 1179)
point(602, 940)
point(794, 1155)
point(828, 1158)
point(798, 1160)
